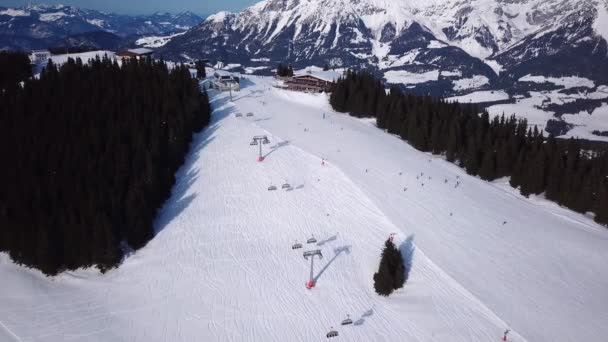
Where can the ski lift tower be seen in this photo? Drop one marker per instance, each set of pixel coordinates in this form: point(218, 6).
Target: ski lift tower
point(311, 282)
point(259, 140)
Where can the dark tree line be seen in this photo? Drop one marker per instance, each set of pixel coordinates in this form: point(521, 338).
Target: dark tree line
point(90, 152)
point(490, 148)
point(284, 70)
point(391, 272)
point(14, 68)
point(201, 73)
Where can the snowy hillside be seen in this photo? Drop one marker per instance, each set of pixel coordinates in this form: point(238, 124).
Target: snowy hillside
point(44, 26)
point(221, 267)
point(449, 48)
point(380, 31)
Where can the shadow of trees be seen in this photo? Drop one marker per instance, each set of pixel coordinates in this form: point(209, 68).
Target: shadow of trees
point(407, 252)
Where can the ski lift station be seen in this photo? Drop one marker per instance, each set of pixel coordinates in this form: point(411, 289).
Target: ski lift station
point(225, 81)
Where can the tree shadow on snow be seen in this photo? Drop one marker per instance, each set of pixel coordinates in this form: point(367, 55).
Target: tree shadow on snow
point(187, 174)
point(407, 252)
point(337, 252)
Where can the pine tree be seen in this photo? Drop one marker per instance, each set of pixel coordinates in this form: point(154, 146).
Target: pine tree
point(391, 272)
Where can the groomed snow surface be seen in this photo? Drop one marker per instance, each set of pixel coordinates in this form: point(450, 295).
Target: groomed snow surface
point(221, 267)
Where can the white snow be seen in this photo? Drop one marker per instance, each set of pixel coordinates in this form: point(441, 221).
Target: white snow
point(568, 82)
point(221, 267)
point(397, 61)
point(585, 123)
point(12, 12)
point(218, 17)
point(231, 66)
point(406, 77)
point(481, 96)
point(435, 44)
point(534, 108)
point(84, 56)
point(327, 75)
point(470, 83)
point(528, 108)
point(156, 41)
point(494, 65)
point(450, 73)
point(96, 22)
point(251, 70)
point(600, 25)
point(52, 16)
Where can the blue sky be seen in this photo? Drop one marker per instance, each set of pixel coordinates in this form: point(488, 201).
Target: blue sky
point(146, 6)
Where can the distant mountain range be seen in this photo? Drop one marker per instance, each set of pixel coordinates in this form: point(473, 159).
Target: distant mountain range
point(476, 37)
point(438, 47)
point(43, 26)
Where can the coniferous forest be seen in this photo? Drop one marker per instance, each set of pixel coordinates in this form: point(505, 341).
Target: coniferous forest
point(489, 148)
point(90, 151)
point(284, 70)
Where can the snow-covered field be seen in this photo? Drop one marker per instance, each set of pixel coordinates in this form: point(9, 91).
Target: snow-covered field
point(481, 96)
point(156, 41)
point(406, 77)
point(474, 82)
point(221, 267)
point(84, 56)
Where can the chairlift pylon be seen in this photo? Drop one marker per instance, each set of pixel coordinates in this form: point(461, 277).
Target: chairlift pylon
point(347, 321)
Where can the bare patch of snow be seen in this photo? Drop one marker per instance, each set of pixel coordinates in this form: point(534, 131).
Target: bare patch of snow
point(481, 96)
point(52, 16)
point(435, 44)
point(568, 82)
point(406, 77)
point(14, 12)
point(470, 83)
point(96, 22)
point(156, 41)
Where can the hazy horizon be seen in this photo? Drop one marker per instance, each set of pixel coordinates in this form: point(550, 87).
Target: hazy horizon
point(142, 7)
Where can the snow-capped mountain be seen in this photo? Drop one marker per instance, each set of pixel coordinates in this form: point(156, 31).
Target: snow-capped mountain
point(43, 26)
point(438, 47)
point(464, 38)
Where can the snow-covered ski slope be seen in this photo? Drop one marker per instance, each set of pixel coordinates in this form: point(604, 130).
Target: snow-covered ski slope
point(221, 267)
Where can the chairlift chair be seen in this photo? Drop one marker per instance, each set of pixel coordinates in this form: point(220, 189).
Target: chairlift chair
point(296, 245)
point(265, 141)
point(272, 188)
point(332, 333)
point(347, 321)
point(253, 143)
point(238, 115)
point(311, 240)
point(250, 114)
point(286, 186)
